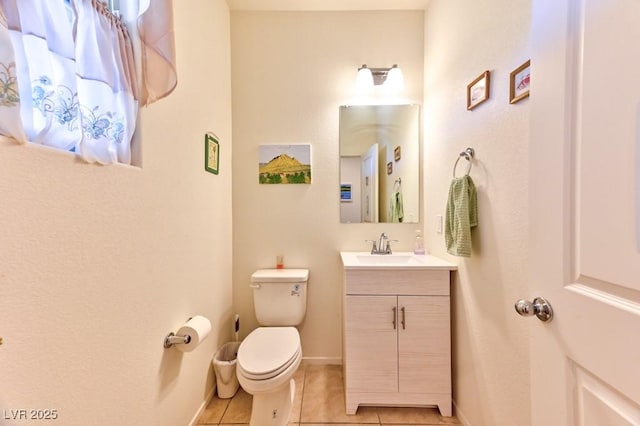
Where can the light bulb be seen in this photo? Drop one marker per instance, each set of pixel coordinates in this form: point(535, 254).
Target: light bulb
point(395, 79)
point(364, 80)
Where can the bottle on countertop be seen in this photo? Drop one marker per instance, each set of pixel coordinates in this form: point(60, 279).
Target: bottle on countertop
point(418, 246)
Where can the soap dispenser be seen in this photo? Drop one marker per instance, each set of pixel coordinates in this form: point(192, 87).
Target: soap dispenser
point(418, 246)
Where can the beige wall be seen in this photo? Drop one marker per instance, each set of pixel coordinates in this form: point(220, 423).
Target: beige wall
point(490, 342)
point(90, 254)
point(98, 264)
point(291, 72)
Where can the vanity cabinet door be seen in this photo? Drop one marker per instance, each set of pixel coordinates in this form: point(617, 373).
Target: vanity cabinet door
point(371, 343)
point(424, 344)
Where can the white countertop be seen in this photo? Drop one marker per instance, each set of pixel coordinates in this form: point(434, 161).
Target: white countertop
point(397, 260)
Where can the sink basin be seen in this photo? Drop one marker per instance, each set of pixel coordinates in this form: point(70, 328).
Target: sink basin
point(399, 260)
point(388, 259)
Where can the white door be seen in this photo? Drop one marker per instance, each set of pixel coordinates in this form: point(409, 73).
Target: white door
point(585, 211)
point(369, 185)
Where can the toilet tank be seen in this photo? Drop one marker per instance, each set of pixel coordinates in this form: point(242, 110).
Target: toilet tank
point(280, 296)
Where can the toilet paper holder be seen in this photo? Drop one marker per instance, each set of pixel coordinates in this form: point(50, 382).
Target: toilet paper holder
point(172, 339)
point(190, 334)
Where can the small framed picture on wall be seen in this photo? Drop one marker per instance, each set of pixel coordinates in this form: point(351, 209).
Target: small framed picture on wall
point(211, 153)
point(478, 90)
point(345, 193)
point(519, 81)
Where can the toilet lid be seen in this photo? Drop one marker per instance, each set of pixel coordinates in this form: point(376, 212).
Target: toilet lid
point(267, 351)
point(280, 276)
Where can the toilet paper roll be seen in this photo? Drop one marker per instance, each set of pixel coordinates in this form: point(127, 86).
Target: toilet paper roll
point(198, 328)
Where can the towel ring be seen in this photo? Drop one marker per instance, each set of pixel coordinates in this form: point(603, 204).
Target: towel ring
point(468, 154)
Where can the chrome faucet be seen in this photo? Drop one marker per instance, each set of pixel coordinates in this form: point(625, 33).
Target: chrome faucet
point(381, 247)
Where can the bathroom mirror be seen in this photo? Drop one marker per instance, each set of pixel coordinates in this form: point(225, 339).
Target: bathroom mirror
point(379, 163)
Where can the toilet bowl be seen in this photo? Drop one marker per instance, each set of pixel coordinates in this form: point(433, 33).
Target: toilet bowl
point(267, 360)
point(270, 355)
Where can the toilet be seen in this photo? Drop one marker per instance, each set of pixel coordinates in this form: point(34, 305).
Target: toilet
point(270, 355)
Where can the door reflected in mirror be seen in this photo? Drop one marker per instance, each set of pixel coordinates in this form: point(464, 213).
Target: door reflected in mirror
point(379, 163)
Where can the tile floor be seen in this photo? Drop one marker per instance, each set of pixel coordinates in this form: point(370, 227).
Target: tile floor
point(320, 400)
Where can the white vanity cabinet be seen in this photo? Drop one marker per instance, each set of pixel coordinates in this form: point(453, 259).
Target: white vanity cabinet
point(397, 337)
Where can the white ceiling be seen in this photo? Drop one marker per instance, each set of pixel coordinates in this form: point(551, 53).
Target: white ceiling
point(337, 5)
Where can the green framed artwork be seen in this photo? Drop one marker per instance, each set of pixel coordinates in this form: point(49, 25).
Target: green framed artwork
point(211, 153)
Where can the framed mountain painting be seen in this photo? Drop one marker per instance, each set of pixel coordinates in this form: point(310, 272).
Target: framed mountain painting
point(283, 164)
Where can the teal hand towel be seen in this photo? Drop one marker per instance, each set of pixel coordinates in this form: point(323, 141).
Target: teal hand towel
point(461, 216)
point(397, 207)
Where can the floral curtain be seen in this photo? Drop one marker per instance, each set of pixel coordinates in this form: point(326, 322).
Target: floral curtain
point(10, 120)
point(68, 76)
point(108, 109)
point(71, 77)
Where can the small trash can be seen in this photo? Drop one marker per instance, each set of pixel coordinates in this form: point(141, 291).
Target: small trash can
point(224, 365)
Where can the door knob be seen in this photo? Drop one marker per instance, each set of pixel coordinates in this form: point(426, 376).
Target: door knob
point(539, 307)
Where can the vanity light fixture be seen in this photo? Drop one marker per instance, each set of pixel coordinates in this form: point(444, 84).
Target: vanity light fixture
point(389, 77)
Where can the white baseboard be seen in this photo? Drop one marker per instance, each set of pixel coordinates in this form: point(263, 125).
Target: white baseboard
point(203, 406)
point(460, 415)
point(322, 360)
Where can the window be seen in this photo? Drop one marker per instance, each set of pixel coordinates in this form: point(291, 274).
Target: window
point(68, 75)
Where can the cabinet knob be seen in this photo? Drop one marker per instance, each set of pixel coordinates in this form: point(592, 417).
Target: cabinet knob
point(403, 318)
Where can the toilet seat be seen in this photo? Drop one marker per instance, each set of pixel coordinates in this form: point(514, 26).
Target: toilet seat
point(268, 351)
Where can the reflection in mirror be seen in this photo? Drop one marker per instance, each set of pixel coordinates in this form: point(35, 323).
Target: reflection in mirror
point(379, 163)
